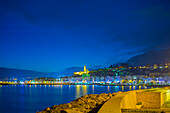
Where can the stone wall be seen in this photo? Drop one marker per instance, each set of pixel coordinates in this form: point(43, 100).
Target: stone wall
point(149, 99)
point(129, 100)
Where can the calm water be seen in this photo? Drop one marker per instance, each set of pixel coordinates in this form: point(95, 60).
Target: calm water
point(32, 98)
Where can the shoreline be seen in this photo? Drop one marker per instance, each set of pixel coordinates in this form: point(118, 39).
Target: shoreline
point(106, 84)
point(101, 103)
point(85, 104)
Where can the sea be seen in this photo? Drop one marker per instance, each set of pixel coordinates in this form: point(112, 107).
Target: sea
point(33, 98)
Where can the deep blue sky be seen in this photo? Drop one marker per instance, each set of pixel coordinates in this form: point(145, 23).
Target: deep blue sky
point(51, 35)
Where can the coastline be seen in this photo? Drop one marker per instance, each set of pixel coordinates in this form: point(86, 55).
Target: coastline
point(152, 100)
point(103, 84)
point(86, 104)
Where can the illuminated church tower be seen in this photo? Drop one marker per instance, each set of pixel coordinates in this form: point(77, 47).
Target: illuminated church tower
point(85, 68)
point(86, 71)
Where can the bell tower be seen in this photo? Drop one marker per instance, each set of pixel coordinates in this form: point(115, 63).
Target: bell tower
point(85, 68)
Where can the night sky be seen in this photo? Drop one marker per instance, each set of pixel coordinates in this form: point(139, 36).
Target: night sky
point(51, 35)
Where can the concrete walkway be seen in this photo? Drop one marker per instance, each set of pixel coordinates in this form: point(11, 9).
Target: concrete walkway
point(156, 100)
point(112, 105)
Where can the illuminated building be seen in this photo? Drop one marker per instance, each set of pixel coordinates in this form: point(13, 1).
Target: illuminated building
point(167, 65)
point(82, 72)
point(155, 74)
point(85, 68)
point(155, 66)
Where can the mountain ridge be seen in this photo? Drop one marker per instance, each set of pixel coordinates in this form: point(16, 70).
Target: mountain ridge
point(151, 57)
point(22, 73)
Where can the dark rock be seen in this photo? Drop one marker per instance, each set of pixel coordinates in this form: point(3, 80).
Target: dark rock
point(86, 104)
point(47, 109)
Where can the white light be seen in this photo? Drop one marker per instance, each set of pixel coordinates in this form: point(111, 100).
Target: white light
point(21, 82)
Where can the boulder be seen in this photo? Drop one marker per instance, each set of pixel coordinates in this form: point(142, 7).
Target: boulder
point(75, 104)
point(47, 109)
point(110, 95)
point(57, 110)
point(69, 105)
point(119, 92)
point(84, 104)
point(54, 106)
point(63, 106)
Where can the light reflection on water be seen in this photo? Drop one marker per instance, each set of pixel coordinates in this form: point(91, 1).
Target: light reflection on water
point(116, 89)
point(93, 88)
point(77, 91)
point(108, 88)
point(84, 90)
point(122, 88)
point(32, 98)
point(130, 88)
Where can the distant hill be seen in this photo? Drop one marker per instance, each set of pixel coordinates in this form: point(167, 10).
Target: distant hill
point(151, 57)
point(22, 74)
point(25, 74)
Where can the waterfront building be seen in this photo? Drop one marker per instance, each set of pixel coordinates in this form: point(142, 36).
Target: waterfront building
point(75, 79)
point(168, 65)
point(121, 75)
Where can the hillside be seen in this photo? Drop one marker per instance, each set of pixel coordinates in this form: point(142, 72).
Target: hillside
point(151, 57)
point(21, 74)
point(69, 71)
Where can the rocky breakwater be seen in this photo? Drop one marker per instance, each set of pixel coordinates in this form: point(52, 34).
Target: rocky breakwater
point(86, 104)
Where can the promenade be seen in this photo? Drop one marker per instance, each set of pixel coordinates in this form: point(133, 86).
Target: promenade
point(156, 100)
